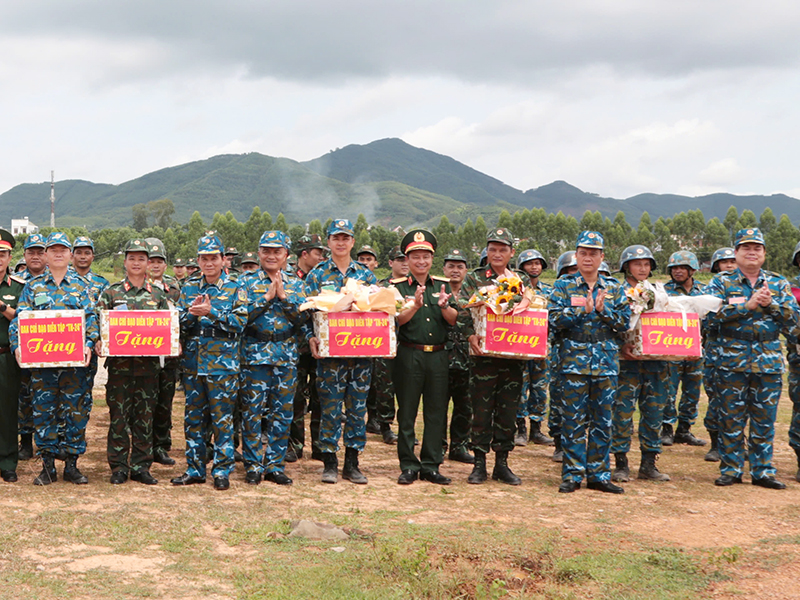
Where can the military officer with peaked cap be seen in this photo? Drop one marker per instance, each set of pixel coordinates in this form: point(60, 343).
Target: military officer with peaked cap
point(422, 363)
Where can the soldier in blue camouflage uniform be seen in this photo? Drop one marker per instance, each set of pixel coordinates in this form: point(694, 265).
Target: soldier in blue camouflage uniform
point(756, 306)
point(458, 379)
point(59, 393)
point(642, 382)
point(132, 388)
point(533, 402)
point(567, 265)
point(213, 314)
point(589, 311)
point(688, 373)
point(722, 260)
point(793, 358)
point(35, 264)
point(341, 382)
point(496, 382)
point(269, 350)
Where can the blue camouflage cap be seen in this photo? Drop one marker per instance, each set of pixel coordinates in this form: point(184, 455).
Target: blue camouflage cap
point(590, 239)
point(58, 238)
point(274, 239)
point(83, 242)
point(751, 235)
point(340, 226)
point(210, 244)
point(34, 240)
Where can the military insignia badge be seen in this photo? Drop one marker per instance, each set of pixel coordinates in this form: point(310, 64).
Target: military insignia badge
point(419, 237)
point(242, 295)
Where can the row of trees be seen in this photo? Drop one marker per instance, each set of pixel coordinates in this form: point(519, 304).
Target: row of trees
point(551, 234)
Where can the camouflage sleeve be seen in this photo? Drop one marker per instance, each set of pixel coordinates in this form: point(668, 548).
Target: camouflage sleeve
point(617, 313)
point(186, 319)
point(231, 316)
point(92, 324)
point(311, 283)
point(783, 308)
point(562, 315)
point(469, 287)
point(727, 312)
point(23, 304)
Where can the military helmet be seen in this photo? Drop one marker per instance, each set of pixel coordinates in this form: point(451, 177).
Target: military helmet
point(484, 257)
point(529, 255)
point(683, 258)
point(604, 269)
point(634, 252)
point(728, 254)
point(796, 252)
point(565, 261)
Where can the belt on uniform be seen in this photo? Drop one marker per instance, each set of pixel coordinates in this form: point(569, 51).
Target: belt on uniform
point(212, 332)
point(423, 347)
point(749, 336)
point(268, 336)
point(5, 349)
point(588, 338)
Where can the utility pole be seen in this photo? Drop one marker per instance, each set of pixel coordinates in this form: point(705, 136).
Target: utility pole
point(52, 198)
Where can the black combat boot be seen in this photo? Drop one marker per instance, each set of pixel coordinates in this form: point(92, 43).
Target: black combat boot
point(389, 436)
point(291, 454)
point(558, 453)
point(48, 474)
point(648, 469)
point(71, 472)
point(713, 453)
point(667, 437)
point(521, 437)
point(501, 472)
point(537, 437)
point(350, 470)
point(684, 436)
point(372, 423)
point(621, 470)
point(25, 446)
point(330, 472)
point(478, 474)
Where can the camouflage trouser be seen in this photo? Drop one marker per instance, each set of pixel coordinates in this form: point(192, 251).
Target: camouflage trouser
point(209, 404)
point(794, 396)
point(496, 386)
point(461, 419)
point(711, 421)
point(25, 409)
point(9, 396)
point(343, 383)
point(91, 371)
point(586, 404)
point(689, 373)
point(533, 400)
point(754, 396)
point(162, 412)
point(60, 394)
point(649, 390)
point(266, 386)
point(306, 390)
point(130, 432)
point(556, 403)
point(381, 391)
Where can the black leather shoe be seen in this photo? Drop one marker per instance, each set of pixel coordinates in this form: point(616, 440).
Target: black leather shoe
point(161, 457)
point(143, 477)
point(291, 454)
point(237, 456)
point(605, 486)
point(435, 477)
point(187, 479)
point(567, 487)
point(9, 476)
point(252, 478)
point(221, 483)
point(278, 477)
point(726, 480)
point(407, 477)
point(766, 482)
point(118, 478)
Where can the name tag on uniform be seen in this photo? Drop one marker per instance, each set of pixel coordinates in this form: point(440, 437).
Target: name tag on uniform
point(737, 300)
point(40, 299)
point(577, 300)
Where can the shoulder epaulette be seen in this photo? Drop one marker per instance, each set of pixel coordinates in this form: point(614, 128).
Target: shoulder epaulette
point(442, 279)
point(398, 280)
point(17, 279)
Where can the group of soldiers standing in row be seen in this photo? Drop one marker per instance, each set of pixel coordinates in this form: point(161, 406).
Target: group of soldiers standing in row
point(251, 370)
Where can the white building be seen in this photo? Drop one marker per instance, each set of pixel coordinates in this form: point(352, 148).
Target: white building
point(22, 226)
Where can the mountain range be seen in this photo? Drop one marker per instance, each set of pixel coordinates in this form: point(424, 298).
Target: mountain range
point(390, 181)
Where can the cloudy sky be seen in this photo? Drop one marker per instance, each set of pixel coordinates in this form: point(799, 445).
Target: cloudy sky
point(616, 97)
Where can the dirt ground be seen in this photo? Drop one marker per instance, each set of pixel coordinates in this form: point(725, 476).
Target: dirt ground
point(688, 512)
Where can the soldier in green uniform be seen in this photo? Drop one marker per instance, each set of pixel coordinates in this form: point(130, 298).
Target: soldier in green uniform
point(10, 291)
point(231, 260)
point(421, 366)
point(367, 257)
point(133, 381)
point(249, 262)
point(191, 267)
point(179, 269)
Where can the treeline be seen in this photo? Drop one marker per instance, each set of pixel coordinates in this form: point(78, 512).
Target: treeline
point(550, 233)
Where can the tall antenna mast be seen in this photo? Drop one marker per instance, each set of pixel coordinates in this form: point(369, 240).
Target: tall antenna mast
point(52, 198)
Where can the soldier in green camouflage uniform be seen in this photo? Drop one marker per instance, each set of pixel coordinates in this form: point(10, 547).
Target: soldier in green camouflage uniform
point(132, 388)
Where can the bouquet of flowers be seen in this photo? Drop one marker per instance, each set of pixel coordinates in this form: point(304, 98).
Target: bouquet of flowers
point(642, 297)
point(502, 297)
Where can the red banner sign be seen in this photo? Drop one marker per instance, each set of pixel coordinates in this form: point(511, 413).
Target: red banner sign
point(663, 334)
point(138, 333)
point(359, 334)
point(51, 341)
point(522, 334)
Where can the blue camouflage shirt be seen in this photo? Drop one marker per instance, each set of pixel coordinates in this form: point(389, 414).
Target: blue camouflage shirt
point(750, 355)
point(211, 343)
point(569, 318)
point(272, 317)
point(96, 284)
point(327, 274)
